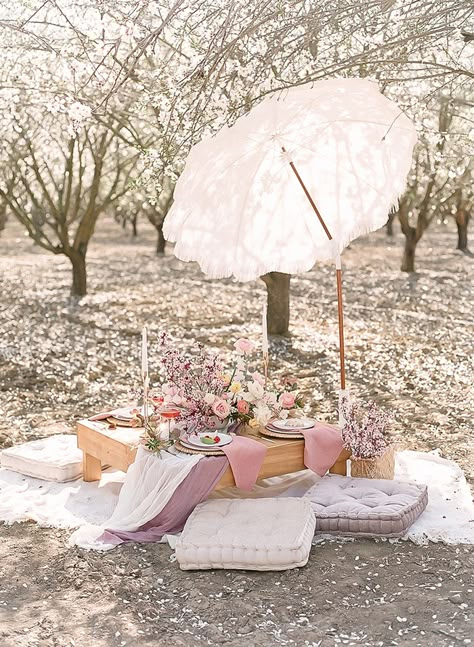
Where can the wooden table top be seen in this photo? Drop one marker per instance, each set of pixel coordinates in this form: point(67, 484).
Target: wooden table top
point(131, 435)
point(117, 447)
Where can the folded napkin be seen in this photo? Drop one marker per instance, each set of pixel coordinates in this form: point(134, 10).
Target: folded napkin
point(123, 411)
point(322, 446)
point(101, 416)
point(245, 457)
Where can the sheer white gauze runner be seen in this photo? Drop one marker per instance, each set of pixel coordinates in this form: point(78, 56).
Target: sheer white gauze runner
point(449, 517)
point(148, 487)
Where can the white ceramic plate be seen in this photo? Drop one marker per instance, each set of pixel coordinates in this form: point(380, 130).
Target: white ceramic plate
point(125, 412)
point(284, 432)
point(293, 424)
point(203, 448)
point(195, 441)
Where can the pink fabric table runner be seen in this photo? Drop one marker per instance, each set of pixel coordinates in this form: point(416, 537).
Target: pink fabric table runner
point(245, 457)
point(195, 488)
point(322, 446)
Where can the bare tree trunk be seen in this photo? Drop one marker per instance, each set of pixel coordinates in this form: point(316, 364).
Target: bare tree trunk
point(278, 299)
point(412, 236)
point(79, 274)
point(134, 225)
point(160, 241)
point(3, 217)
point(389, 226)
point(408, 260)
point(462, 222)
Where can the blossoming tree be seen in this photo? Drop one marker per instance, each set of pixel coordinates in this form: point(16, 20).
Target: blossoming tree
point(191, 68)
point(440, 181)
point(57, 186)
point(203, 89)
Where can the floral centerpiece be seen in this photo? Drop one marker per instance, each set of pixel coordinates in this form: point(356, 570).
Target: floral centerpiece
point(364, 435)
point(210, 396)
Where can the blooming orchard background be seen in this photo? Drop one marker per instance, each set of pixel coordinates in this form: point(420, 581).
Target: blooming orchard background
point(101, 100)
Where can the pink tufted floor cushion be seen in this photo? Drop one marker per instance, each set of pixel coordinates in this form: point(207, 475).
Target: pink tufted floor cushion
point(366, 507)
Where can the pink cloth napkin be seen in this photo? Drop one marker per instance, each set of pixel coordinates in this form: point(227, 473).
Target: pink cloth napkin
point(245, 457)
point(322, 445)
point(101, 416)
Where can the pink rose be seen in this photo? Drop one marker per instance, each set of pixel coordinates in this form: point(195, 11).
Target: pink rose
point(221, 408)
point(244, 346)
point(243, 407)
point(287, 400)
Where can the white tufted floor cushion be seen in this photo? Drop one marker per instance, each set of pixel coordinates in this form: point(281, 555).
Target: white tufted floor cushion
point(253, 534)
point(56, 458)
point(366, 507)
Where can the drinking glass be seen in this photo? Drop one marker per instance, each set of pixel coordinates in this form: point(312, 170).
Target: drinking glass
point(169, 413)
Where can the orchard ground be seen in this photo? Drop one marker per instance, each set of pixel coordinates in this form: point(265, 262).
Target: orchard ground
point(408, 346)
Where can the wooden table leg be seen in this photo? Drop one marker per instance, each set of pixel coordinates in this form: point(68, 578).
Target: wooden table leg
point(91, 467)
point(340, 466)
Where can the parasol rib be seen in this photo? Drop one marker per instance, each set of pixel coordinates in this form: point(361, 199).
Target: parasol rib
point(340, 310)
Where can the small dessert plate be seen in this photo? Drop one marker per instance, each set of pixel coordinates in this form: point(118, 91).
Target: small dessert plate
point(293, 424)
point(204, 441)
point(125, 413)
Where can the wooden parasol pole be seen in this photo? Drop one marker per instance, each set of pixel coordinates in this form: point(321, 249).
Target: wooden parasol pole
point(340, 312)
point(338, 270)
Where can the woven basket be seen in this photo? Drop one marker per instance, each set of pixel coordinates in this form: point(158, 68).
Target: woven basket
point(382, 467)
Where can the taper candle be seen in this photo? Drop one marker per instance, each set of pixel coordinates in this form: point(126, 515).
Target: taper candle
point(264, 330)
point(144, 353)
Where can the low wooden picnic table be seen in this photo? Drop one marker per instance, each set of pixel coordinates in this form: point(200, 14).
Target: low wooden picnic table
point(117, 448)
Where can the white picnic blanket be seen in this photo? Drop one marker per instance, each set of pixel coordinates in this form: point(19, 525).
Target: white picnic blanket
point(449, 517)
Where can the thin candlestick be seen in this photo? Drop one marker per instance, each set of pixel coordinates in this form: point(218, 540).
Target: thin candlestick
point(264, 329)
point(146, 385)
point(145, 377)
point(265, 342)
point(144, 357)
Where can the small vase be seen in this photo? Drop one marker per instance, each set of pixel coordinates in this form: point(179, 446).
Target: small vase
point(216, 424)
point(382, 467)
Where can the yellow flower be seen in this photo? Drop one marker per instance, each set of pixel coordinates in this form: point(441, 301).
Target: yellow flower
point(235, 387)
point(254, 423)
point(225, 378)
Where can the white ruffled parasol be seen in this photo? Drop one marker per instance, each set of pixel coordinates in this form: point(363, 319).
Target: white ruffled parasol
point(307, 171)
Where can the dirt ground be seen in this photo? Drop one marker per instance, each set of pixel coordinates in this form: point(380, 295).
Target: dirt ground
point(355, 593)
point(409, 347)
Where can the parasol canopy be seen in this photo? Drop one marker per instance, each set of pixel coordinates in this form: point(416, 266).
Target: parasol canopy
point(239, 209)
point(293, 182)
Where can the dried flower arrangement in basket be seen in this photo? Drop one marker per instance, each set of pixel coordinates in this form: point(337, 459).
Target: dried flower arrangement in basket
point(364, 435)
